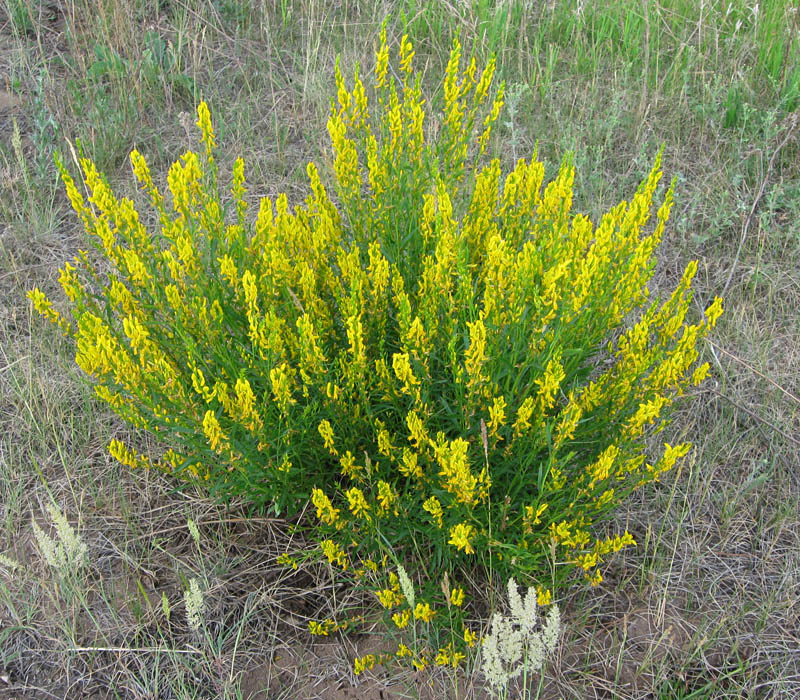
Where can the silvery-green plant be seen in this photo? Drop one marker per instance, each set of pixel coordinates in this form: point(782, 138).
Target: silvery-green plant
point(67, 552)
point(514, 645)
point(195, 605)
point(9, 563)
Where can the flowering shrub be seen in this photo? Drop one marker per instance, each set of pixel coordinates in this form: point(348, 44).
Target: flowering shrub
point(448, 364)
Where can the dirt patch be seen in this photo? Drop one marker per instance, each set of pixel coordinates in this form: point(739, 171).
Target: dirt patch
point(8, 102)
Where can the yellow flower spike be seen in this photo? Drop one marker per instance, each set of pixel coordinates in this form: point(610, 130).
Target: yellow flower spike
point(348, 466)
point(451, 76)
point(409, 466)
point(74, 196)
point(124, 455)
point(600, 470)
point(318, 629)
point(206, 129)
point(543, 596)
point(418, 436)
point(470, 637)
point(326, 432)
point(355, 337)
point(457, 477)
point(382, 60)
point(549, 383)
point(402, 619)
point(484, 82)
point(281, 379)
point(457, 597)
point(713, 312)
point(424, 612)
point(491, 118)
point(460, 536)
point(364, 663)
point(238, 190)
point(342, 94)
point(389, 598)
point(700, 373)
point(386, 496)
point(137, 334)
point(227, 268)
point(333, 551)
point(68, 279)
point(406, 56)
point(45, 307)
point(326, 513)
point(403, 650)
point(404, 373)
point(532, 518)
point(524, 413)
point(357, 503)
point(385, 446)
point(213, 432)
point(497, 415)
point(443, 657)
point(371, 565)
point(606, 498)
point(434, 507)
point(475, 356)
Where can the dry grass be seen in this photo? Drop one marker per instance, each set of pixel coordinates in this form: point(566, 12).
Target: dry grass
point(706, 606)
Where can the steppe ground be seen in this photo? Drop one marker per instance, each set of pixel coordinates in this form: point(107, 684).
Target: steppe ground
point(708, 604)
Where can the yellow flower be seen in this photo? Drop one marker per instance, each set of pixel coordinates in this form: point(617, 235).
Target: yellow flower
point(543, 596)
point(458, 479)
point(385, 446)
point(433, 506)
point(207, 131)
point(475, 355)
point(524, 412)
point(403, 650)
point(497, 415)
point(460, 537)
point(410, 465)
point(700, 373)
point(361, 664)
point(386, 497)
point(281, 380)
point(228, 269)
point(470, 637)
point(286, 560)
point(389, 598)
point(417, 435)
point(549, 383)
point(713, 312)
point(402, 369)
point(442, 657)
point(349, 468)
point(457, 597)
point(358, 504)
point(424, 612)
point(326, 431)
point(318, 629)
point(325, 510)
point(382, 61)
point(334, 553)
point(213, 431)
point(402, 619)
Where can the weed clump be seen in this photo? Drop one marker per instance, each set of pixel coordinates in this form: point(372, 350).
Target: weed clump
point(449, 365)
